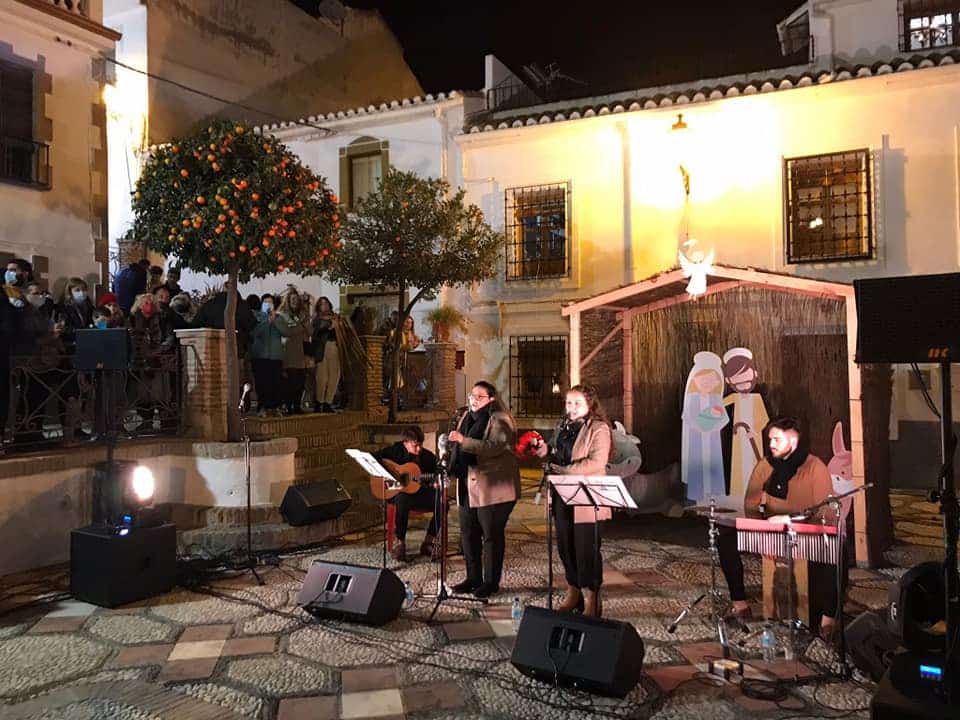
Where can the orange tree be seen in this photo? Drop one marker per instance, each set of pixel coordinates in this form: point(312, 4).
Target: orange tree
point(413, 234)
point(229, 201)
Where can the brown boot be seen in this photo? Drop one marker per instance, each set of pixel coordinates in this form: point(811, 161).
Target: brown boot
point(400, 551)
point(428, 546)
point(591, 603)
point(572, 600)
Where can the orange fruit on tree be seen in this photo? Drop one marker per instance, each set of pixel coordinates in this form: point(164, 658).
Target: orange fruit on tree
point(216, 167)
point(184, 172)
point(242, 248)
point(265, 242)
point(201, 200)
point(292, 234)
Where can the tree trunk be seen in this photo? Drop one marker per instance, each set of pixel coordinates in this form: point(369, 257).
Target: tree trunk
point(232, 361)
point(877, 393)
point(397, 342)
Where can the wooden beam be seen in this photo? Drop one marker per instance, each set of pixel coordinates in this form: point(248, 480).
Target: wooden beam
point(599, 347)
point(620, 293)
point(860, 532)
point(785, 282)
point(627, 326)
point(574, 349)
point(678, 299)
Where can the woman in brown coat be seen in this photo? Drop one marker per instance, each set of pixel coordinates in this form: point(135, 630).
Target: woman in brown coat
point(579, 446)
point(488, 486)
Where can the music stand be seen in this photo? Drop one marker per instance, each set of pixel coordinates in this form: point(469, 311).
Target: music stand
point(594, 491)
point(373, 467)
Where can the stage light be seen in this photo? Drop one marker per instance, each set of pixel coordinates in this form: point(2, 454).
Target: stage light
point(142, 484)
point(122, 490)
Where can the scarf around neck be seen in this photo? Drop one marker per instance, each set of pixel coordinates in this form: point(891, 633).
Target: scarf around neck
point(778, 483)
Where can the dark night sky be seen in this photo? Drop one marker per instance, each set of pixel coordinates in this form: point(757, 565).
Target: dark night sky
point(609, 45)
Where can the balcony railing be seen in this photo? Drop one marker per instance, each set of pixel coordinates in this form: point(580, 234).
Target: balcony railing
point(511, 95)
point(74, 7)
point(25, 162)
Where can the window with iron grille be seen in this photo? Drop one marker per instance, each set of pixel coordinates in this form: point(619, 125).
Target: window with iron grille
point(22, 160)
point(795, 42)
point(538, 369)
point(537, 232)
point(828, 207)
point(928, 24)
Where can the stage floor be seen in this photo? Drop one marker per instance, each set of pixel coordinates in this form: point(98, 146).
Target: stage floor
point(236, 650)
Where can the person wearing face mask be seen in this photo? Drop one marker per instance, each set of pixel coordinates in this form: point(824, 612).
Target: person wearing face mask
point(36, 296)
point(580, 446)
point(76, 311)
point(488, 486)
point(102, 317)
point(267, 354)
point(293, 322)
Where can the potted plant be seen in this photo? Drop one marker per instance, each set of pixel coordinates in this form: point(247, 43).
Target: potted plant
point(443, 319)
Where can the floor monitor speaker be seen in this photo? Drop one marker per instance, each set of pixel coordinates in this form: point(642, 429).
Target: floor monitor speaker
point(600, 656)
point(314, 502)
point(362, 594)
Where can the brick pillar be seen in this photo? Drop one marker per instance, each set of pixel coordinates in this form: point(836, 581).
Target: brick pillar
point(129, 252)
point(372, 382)
point(205, 365)
point(443, 360)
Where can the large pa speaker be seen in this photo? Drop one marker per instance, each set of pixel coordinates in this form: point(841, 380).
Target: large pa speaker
point(916, 607)
point(871, 644)
point(110, 569)
point(908, 319)
point(314, 502)
point(600, 656)
point(352, 592)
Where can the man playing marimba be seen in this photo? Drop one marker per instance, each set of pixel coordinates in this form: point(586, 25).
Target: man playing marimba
point(783, 484)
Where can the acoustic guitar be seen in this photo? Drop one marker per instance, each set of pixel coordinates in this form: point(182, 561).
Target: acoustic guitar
point(407, 478)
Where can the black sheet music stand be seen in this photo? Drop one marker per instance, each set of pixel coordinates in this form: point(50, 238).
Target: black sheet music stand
point(594, 491)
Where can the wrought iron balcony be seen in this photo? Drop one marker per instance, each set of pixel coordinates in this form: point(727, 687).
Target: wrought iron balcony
point(25, 162)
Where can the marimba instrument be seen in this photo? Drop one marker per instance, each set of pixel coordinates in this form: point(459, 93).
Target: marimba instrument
point(809, 542)
point(815, 542)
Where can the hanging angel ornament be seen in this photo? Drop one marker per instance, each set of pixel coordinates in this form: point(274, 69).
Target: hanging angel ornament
point(696, 265)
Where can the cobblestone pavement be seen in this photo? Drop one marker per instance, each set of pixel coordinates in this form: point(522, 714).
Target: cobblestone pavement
point(233, 649)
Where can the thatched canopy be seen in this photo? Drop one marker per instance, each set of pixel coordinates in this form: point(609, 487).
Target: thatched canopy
point(802, 332)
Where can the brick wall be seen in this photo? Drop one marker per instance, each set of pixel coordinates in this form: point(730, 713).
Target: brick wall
point(204, 364)
point(443, 356)
point(371, 385)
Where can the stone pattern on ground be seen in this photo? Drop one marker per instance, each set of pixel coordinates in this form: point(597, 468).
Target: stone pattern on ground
point(649, 583)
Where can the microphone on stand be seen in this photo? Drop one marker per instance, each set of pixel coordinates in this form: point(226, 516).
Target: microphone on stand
point(443, 444)
point(247, 387)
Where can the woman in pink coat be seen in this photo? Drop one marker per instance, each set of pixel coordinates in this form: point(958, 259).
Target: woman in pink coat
point(579, 446)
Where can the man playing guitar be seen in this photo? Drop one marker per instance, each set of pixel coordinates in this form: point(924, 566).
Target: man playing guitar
point(409, 461)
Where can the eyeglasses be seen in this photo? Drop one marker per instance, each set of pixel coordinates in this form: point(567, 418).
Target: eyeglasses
point(478, 397)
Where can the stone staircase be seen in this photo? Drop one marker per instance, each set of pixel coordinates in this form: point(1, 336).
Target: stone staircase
point(321, 443)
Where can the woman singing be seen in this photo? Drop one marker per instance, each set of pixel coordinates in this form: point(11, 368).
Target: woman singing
point(580, 446)
point(488, 486)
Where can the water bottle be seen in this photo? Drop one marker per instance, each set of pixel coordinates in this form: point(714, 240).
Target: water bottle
point(156, 419)
point(768, 643)
point(408, 596)
point(516, 613)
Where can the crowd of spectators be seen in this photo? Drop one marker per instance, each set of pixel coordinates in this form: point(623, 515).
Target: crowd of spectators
point(291, 346)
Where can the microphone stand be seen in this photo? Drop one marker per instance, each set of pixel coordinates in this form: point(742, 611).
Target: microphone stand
point(250, 563)
point(443, 531)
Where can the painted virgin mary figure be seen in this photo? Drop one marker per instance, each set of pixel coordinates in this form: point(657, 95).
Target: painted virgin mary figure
point(701, 463)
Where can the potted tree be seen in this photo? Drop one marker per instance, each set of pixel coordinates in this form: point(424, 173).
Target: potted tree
point(443, 319)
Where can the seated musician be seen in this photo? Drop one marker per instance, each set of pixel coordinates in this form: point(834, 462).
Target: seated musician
point(410, 450)
point(783, 484)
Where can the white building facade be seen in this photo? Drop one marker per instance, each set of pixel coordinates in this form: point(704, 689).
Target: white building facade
point(832, 169)
point(53, 154)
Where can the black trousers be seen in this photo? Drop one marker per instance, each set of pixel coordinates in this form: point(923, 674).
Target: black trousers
point(426, 499)
point(578, 546)
point(295, 379)
point(268, 376)
point(822, 576)
point(483, 536)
